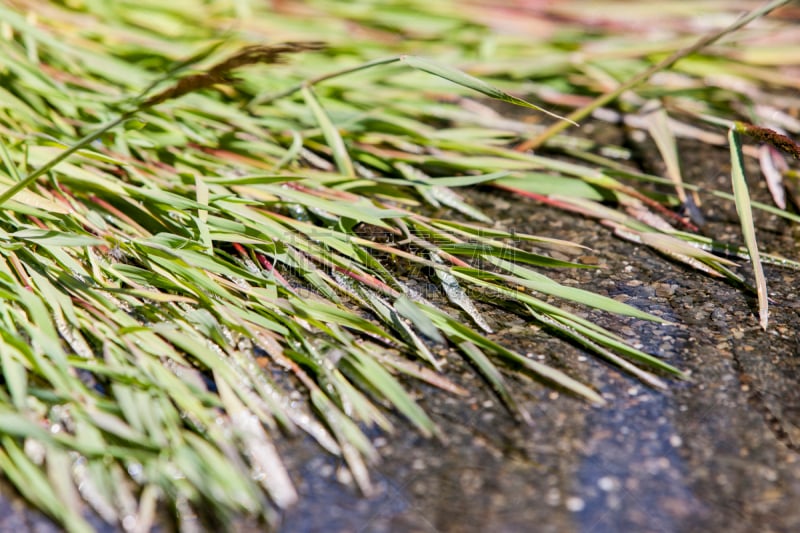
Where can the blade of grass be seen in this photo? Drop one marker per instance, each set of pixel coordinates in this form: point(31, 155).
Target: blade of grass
point(332, 136)
point(470, 82)
point(744, 210)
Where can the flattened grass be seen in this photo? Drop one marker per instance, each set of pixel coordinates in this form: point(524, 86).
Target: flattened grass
point(199, 247)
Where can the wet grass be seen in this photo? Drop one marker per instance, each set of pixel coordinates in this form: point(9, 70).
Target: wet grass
point(212, 212)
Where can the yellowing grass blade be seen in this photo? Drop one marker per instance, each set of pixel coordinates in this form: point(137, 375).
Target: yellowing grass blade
point(773, 165)
point(658, 126)
point(742, 199)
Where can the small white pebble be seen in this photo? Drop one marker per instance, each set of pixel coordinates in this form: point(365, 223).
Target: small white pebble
point(575, 504)
point(607, 483)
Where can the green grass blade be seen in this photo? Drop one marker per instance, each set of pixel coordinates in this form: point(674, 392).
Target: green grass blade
point(493, 376)
point(332, 135)
point(470, 82)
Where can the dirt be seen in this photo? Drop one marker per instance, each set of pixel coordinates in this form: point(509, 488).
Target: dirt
point(719, 452)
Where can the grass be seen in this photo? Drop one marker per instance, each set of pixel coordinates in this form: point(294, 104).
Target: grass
point(199, 222)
